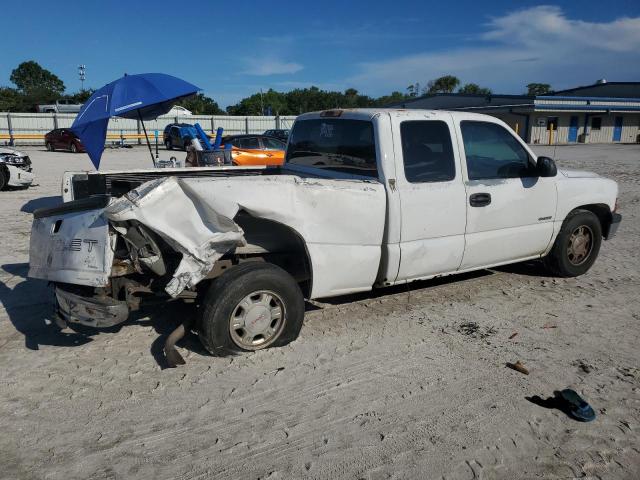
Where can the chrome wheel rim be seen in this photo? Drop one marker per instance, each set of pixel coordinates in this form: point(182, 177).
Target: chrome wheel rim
point(257, 320)
point(580, 245)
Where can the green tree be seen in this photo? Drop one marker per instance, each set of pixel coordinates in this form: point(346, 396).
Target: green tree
point(32, 79)
point(534, 89)
point(81, 96)
point(200, 104)
point(394, 97)
point(413, 90)
point(474, 88)
point(444, 84)
point(10, 100)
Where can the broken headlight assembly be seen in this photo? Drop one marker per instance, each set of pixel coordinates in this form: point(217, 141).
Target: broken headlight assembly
point(16, 161)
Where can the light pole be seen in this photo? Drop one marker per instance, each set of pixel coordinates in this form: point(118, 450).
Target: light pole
point(82, 74)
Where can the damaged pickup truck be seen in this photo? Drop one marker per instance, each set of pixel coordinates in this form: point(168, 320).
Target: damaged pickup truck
point(365, 199)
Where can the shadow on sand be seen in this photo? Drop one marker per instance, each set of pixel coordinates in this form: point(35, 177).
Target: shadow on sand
point(29, 305)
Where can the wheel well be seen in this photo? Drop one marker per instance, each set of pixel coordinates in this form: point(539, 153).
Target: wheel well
point(603, 213)
point(274, 242)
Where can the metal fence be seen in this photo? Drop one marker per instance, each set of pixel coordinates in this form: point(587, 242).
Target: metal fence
point(30, 128)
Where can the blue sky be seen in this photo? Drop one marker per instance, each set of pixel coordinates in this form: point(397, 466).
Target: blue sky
point(232, 49)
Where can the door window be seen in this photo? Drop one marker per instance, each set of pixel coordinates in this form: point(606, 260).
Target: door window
point(250, 143)
point(272, 144)
point(427, 151)
point(492, 152)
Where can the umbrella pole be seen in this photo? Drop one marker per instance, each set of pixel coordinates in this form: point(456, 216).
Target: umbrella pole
point(147, 137)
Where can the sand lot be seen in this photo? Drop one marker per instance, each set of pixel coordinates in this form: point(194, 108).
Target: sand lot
point(383, 385)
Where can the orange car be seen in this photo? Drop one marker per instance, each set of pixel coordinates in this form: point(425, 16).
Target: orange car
point(255, 149)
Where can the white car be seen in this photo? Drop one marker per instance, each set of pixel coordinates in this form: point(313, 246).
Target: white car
point(15, 169)
point(367, 198)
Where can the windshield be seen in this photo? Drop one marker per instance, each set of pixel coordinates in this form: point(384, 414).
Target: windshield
point(342, 145)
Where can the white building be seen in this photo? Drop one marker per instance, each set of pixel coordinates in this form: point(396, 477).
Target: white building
point(606, 112)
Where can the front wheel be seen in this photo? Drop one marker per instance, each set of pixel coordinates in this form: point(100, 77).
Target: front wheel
point(49, 146)
point(577, 245)
point(168, 145)
point(3, 179)
point(250, 307)
point(73, 148)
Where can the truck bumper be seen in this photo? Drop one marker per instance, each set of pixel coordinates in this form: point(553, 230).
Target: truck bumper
point(98, 312)
point(19, 177)
point(615, 223)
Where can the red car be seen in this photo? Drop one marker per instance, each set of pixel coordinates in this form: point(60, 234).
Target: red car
point(63, 139)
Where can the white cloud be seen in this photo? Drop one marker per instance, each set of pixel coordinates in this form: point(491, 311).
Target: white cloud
point(270, 66)
point(538, 44)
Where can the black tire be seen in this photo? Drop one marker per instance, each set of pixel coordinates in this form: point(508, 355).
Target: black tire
point(49, 146)
point(187, 142)
point(3, 179)
point(225, 296)
point(562, 259)
point(168, 145)
point(73, 148)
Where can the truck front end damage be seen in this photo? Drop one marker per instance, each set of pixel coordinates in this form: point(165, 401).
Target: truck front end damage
point(105, 254)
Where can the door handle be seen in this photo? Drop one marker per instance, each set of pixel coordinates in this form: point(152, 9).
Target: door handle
point(480, 199)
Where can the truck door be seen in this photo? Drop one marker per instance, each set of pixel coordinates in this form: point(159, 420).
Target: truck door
point(432, 196)
point(510, 210)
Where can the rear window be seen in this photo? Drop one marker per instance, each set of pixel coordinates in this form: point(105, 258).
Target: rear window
point(341, 145)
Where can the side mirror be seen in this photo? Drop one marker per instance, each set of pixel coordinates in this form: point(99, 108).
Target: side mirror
point(546, 167)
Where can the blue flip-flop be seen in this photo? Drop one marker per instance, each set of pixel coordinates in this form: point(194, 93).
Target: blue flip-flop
point(577, 407)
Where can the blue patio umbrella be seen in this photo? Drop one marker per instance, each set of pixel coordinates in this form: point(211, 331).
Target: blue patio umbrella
point(144, 97)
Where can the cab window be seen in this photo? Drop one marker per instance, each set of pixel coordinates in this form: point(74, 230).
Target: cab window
point(492, 152)
point(334, 144)
point(427, 151)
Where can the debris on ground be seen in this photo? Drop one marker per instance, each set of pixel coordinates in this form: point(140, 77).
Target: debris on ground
point(519, 367)
point(472, 329)
point(513, 335)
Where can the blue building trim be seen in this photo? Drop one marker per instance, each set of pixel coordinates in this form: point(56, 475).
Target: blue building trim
point(601, 108)
point(588, 99)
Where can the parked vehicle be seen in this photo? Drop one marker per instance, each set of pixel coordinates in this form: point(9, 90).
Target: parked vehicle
point(366, 199)
point(178, 110)
point(279, 133)
point(178, 135)
point(61, 106)
point(15, 169)
point(63, 139)
point(255, 149)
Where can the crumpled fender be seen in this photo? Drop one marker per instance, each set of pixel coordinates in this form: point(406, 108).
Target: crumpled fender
point(170, 208)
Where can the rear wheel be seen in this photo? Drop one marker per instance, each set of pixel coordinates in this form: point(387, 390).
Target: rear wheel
point(577, 245)
point(73, 148)
point(49, 146)
point(251, 307)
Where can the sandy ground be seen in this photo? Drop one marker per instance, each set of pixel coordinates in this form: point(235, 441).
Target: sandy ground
point(390, 384)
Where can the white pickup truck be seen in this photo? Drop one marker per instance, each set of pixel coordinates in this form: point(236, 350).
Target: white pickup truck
point(365, 199)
